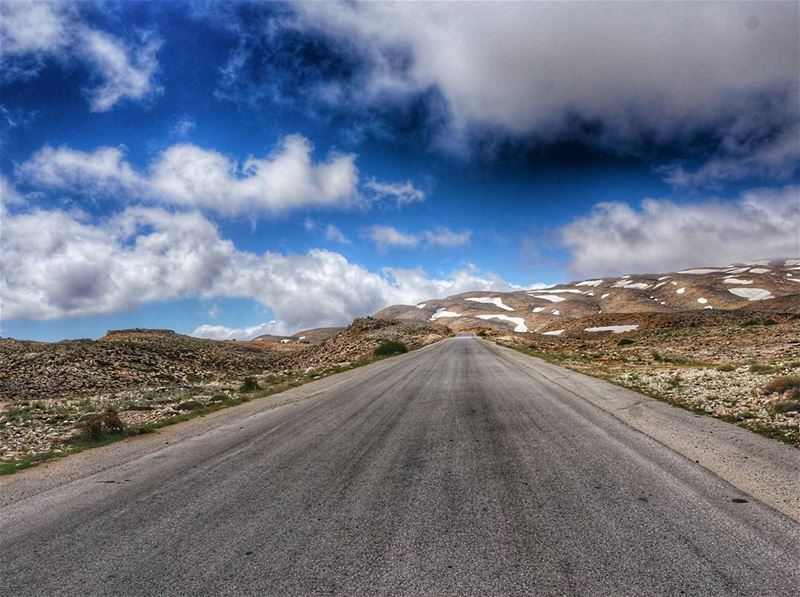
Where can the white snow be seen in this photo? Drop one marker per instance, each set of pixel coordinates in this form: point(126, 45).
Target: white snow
point(421, 306)
point(538, 309)
point(628, 284)
point(663, 278)
point(518, 321)
point(617, 329)
point(674, 283)
point(752, 294)
point(680, 291)
point(553, 298)
point(555, 312)
point(553, 333)
point(759, 262)
point(589, 283)
point(760, 270)
point(794, 280)
point(789, 262)
point(736, 281)
point(708, 307)
point(490, 300)
point(592, 293)
point(700, 271)
point(659, 285)
point(604, 296)
point(702, 300)
point(662, 303)
point(555, 291)
point(443, 312)
point(737, 270)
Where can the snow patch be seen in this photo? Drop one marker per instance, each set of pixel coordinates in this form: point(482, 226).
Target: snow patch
point(604, 296)
point(789, 262)
point(490, 300)
point(760, 270)
point(443, 312)
point(555, 312)
point(589, 283)
point(553, 333)
point(680, 291)
point(538, 309)
point(553, 298)
point(617, 329)
point(421, 305)
point(518, 321)
point(702, 300)
point(752, 294)
point(736, 281)
point(737, 270)
point(629, 284)
point(701, 271)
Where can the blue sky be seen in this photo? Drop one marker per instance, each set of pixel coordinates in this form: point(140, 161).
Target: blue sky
point(240, 168)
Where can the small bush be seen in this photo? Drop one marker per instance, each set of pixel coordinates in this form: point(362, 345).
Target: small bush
point(390, 347)
point(625, 342)
point(98, 425)
point(784, 406)
point(783, 384)
point(760, 369)
point(249, 385)
point(726, 367)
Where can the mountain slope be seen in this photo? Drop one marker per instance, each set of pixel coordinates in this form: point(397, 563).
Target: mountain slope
point(640, 300)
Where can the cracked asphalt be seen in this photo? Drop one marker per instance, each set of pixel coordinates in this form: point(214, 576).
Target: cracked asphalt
point(457, 469)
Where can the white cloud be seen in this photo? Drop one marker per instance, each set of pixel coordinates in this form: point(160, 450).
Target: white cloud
point(664, 236)
point(658, 71)
point(402, 192)
point(444, 237)
point(60, 264)
point(35, 32)
point(183, 127)
point(122, 72)
point(390, 237)
point(221, 332)
point(333, 234)
point(190, 176)
point(8, 194)
point(33, 27)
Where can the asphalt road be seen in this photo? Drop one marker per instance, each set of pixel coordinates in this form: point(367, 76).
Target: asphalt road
point(451, 470)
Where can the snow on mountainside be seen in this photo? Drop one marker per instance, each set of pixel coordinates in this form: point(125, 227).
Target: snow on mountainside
point(617, 304)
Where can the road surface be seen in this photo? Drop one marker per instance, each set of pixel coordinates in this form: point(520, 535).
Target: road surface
point(456, 469)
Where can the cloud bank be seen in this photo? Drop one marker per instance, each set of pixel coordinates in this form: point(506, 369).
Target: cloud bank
point(665, 236)
point(60, 264)
point(189, 176)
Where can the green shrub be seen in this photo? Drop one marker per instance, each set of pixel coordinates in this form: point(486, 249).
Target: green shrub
point(625, 342)
point(726, 367)
point(390, 347)
point(249, 385)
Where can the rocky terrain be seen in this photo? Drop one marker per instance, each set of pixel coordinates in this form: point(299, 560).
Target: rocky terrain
point(50, 391)
point(740, 367)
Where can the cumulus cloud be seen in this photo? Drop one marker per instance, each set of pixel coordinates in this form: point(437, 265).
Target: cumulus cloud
point(386, 237)
point(221, 332)
point(614, 73)
point(402, 192)
point(60, 264)
point(191, 176)
point(662, 235)
point(33, 33)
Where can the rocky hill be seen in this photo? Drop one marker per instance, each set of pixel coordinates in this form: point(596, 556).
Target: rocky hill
point(618, 304)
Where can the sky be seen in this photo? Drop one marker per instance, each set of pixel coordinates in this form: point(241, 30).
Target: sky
point(232, 169)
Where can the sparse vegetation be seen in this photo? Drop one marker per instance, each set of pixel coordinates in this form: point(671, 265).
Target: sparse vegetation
point(625, 342)
point(389, 348)
point(97, 425)
point(761, 369)
point(726, 367)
